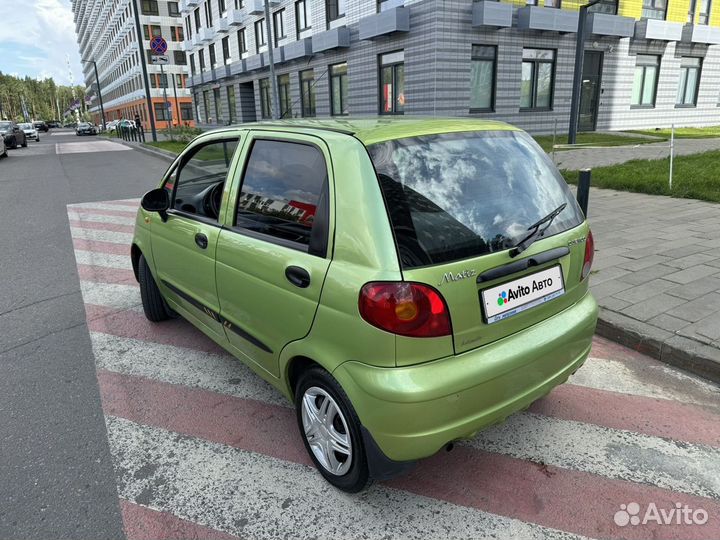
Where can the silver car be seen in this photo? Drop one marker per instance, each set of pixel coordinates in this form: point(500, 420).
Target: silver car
point(30, 131)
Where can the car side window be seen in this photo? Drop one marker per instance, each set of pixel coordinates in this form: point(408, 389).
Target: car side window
point(197, 183)
point(283, 193)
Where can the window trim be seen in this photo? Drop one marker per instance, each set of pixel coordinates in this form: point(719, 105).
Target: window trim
point(392, 65)
point(308, 22)
point(697, 82)
point(304, 100)
point(494, 78)
point(330, 80)
point(322, 214)
point(652, 7)
point(533, 98)
point(642, 86)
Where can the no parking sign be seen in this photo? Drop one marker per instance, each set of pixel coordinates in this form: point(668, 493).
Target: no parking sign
point(158, 45)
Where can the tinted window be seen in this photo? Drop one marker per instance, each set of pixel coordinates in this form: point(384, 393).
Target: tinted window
point(455, 196)
point(198, 181)
point(281, 190)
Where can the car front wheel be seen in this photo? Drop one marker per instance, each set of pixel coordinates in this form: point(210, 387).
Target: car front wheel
point(330, 429)
point(24, 143)
point(152, 301)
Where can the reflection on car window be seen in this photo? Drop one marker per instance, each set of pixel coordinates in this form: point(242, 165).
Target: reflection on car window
point(198, 182)
point(455, 196)
point(281, 190)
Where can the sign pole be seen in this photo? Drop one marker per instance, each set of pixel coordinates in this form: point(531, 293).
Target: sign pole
point(177, 105)
point(166, 103)
point(143, 63)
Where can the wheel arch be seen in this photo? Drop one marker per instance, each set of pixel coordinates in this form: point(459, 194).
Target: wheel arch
point(294, 369)
point(135, 254)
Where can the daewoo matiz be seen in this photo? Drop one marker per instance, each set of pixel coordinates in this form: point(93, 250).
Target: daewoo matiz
point(404, 282)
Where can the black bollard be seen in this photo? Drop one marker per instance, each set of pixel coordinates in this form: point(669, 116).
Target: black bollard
point(583, 189)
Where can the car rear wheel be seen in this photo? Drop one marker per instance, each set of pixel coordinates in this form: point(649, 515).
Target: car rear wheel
point(330, 429)
point(24, 143)
point(152, 301)
point(14, 144)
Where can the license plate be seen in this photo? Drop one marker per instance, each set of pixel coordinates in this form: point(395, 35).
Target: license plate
point(513, 297)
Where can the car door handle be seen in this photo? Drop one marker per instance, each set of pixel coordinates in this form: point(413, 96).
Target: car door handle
point(297, 276)
point(201, 240)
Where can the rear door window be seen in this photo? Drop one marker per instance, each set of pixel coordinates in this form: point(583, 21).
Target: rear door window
point(283, 193)
point(462, 195)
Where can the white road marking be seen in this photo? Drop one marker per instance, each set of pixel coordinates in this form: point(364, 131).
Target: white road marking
point(102, 206)
point(103, 259)
point(89, 146)
point(102, 236)
point(223, 374)
point(110, 295)
point(613, 453)
point(255, 496)
point(100, 218)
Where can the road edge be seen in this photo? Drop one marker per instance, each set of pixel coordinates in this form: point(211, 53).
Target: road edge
point(156, 152)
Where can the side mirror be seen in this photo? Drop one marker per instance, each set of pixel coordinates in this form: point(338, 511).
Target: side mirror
point(156, 200)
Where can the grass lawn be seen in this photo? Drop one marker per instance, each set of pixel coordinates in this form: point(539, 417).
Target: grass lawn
point(685, 132)
point(598, 139)
point(212, 153)
point(171, 146)
point(694, 177)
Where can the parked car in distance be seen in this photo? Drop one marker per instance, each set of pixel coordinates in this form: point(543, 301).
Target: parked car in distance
point(125, 124)
point(405, 282)
point(70, 125)
point(41, 126)
point(13, 135)
point(85, 128)
point(112, 124)
point(30, 132)
point(3, 148)
point(54, 124)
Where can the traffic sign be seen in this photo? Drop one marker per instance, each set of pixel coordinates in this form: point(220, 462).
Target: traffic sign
point(159, 60)
point(158, 45)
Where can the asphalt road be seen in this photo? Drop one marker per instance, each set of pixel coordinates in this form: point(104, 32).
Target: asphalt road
point(112, 425)
point(56, 478)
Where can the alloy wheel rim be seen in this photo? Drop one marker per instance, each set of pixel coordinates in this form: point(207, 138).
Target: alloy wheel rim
point(326, 431)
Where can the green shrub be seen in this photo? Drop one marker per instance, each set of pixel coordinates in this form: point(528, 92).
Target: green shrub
point(182, 134)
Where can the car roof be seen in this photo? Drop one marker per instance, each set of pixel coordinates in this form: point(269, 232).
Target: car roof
point(371, 130)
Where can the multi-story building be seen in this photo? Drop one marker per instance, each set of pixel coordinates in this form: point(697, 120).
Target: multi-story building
point(107, 33)
point(648, 63)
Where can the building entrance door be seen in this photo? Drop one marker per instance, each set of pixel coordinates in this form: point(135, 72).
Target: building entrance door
point(590, 90)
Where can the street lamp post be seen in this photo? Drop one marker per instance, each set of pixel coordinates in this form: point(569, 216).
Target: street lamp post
point(273, 80)
point(577, 76)
point(143, 64)
point(97, 81)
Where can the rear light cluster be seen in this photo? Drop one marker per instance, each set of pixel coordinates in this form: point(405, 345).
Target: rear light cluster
point(406, 309)
point(589, 256)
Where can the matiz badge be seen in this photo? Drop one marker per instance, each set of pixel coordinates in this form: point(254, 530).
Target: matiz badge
point(452, 276)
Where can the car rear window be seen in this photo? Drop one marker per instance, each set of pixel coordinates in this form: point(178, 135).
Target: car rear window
point(460, 195)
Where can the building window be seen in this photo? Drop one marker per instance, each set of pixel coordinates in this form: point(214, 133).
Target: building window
point(151, 31)
point(208, 14)
point(149, 7)
point(226, 49)
point(206, 102)
point(283, 82)
point(482, 78)
point(647, 68)
point(242, 44)
point(279, 26)
point(213, 60)
point(265, 109)
point(302, 16)
point(239, 4)
point(605, 6)
point(173, 10)
point(222, 9)
point(538, 67)
point(201, 56)
point(179, 57)
point(232, 107)
point(176, 33)
point(339, 89)
point(188, 26)
point(196, 15)
point(654, 9)
point(161, 112)
point(689, 82)
point(186, 111)
point(307, 92)
point(192, 64)
point(392, 83)
point(384, 5)
point(178, 81)
point(216, 99)
point(259, 35)
point(334, 9)
point(704, 16)
point(163, 80)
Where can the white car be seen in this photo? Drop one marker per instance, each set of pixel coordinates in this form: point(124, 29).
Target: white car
point(30, 131)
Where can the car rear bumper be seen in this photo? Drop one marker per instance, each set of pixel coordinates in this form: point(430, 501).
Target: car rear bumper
point(412, 412)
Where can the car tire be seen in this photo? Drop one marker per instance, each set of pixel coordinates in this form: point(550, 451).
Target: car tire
point(152, 301)
point(24, 143)
point(316, 391)
point(14, 144)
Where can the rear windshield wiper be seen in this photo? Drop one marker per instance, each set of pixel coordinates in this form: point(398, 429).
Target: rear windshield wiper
point(536, 231)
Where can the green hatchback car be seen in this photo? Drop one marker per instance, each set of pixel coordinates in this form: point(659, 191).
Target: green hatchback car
point(405, 282)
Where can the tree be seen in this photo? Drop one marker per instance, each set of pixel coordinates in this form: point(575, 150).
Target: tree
point(42, 97)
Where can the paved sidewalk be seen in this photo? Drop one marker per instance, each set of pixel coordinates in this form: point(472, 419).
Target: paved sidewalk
point(600, 157)
point(657, 275)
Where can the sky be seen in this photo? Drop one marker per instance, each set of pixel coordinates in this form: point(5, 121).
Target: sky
point(37, 36)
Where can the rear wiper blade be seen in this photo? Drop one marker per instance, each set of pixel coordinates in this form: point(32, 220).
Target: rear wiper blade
point(536, 231)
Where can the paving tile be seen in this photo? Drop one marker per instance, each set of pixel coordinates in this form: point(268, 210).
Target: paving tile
point(614, 304)
point(708, 328)
point(647, 274)
point(645, 262)
point(705, 306)
point(647, 309)
point(696, 288)
point(691, 260)
point(607, 262)
point(668, 322)
point(608, 288)
point(691, 274)
point(683, 251)
point(646, 290)
point(606, 274)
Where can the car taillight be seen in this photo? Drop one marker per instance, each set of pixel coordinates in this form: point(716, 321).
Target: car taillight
point(589, 255)
point(404, 308)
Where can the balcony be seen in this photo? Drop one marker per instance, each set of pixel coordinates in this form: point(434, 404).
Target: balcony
point(393, 20)
point(196, 40)
point(604, 24)
point(221, 26)
point(488, 13)
point(193, 3)
point(235, 17)
point(254, 62)
point(207, 34)
point(257, 7)
point(184, 8)
point(331, 39)
point(547, 19)
point(701, 33)
point(657, 29)
point(237, 67)
point(298, 49)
